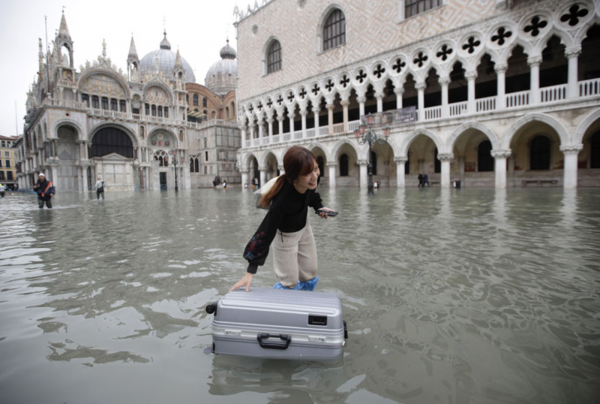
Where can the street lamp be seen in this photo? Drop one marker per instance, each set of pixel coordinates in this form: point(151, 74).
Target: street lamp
point(366, 134)
point(174, 152)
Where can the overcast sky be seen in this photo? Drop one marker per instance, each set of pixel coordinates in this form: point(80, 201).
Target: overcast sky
point(198, 28)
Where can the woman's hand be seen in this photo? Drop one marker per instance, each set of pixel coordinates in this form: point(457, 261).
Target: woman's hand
point(323, 214)
point(245, 281)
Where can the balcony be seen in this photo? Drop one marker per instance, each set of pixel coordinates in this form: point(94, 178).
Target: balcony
point(403, 116)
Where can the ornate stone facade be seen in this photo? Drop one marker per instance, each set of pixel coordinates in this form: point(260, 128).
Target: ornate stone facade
point(464, 79)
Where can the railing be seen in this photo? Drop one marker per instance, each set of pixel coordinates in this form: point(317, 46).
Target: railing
point(338, 128)
point(310, 132)
point(589, 87)
point(433, 113)
point(275, 138)
point(66, 104)
point(458, 108)
point(554, 93)
point(323, 131)
point(486, 104)
point(255, 142)
point(517, 99)
point(287, 137)
point(298, 134)
point(353, 125)
point(265, 140)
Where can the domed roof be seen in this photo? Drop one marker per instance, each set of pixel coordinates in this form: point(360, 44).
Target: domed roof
point(166, 62)
point(221, 77)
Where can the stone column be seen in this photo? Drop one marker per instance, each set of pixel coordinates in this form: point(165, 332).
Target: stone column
point(303, 113)
point(471, 103)
point(399, 91)
point(86, 184)
point(571, 163)
point(270, 122)
point(361, 104)
point(260, 131)
point(263, 175)
point(345, 104)
point(445, 158)
point(444, 82)
point(316, 111)
point(364, 173)
point(534, 65)
point(291, 115)
point(400, 170)
point(379, 102)
point(421, 104)
point(244, 172)
point(332, 173)
point(280, 119)
point(501, 77)
point(330, 118)
point(500, 157)
point(572, 87)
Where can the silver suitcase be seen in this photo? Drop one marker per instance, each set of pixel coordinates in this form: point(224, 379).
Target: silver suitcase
point(275, 323)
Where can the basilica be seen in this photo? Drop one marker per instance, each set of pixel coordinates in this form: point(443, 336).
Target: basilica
point(149, 127)
point(487, 93)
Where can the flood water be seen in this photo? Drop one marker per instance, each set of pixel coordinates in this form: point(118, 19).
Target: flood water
point(451, 296)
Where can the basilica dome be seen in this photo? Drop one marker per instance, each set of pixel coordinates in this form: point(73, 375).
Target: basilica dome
point(222, 76)
point(166, 62)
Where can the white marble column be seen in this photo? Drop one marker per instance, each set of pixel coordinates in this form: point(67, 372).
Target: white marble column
point(379, 98)
point(303, 113)
point(361, 104)
point(471, 103)
point(444, 82)
point(280, 119)
point(270, 122)
point(330, 118)
point(316, 111)
point(501, 78)
point(400, 171)
point(534, 65)
point(421, 103)
point(291, 115)
point(399, 91)
point(244, 176)
point(572, 84)
point(332, 174)
point(260, 130)
point(500, 157)
point(445, 159)
point(345, 104)
point(263, 175)
point(571, 162)
point(364, 173)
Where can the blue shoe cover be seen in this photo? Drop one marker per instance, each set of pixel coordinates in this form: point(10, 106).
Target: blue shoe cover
point(308, 285)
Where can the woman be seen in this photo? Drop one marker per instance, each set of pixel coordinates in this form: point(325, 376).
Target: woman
point(286, 227)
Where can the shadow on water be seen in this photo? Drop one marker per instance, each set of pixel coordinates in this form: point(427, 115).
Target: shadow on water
point(450, 296)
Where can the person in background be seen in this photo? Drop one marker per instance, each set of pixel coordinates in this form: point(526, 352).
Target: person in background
point(420, 178)
point(425, 180)
point(2, 190)
point(99, 189)
point(286, 227)
point(225, 185)
point(45, 191)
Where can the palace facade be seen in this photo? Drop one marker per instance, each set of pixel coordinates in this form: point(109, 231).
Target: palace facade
point(500, 93)
point(149, 127)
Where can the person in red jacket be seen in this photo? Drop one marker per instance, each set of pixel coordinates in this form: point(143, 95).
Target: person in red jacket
point(286, 227)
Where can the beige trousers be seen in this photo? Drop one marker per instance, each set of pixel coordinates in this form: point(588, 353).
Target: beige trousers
point(295, 256)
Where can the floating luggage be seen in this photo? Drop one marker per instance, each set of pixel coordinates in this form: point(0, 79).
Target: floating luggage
point(275, 323)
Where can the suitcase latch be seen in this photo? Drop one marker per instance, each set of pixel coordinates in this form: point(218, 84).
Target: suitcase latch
point(317, 320)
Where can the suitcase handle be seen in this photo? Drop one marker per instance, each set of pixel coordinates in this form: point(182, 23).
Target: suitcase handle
point(272, 345)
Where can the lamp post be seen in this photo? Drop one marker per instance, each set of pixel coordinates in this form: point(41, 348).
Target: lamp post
point(366, 134)
point(175, 165)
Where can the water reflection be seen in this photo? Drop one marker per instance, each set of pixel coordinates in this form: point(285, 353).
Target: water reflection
point(450, 296)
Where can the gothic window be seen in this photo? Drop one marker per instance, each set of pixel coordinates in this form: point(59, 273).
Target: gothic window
point(414, 7)
point(196, 165)
point(204, 102)
point(437, 168)
point(539, 153)
point(191, 165)
point(344, 165)
point(147, 109)
point(166, 111)
point(187, 98)
point(274, 57)
point(154, 110)
point(104, 103)
point(122, 106)
point(206, 156)
point(160, 111)
point(485, 161)
point(195, 99)
point(113, 105)
point(111, 140)
point(95, 102)
point(334, 31)
point(85, 98)
point(595, 150)
point(374, 163)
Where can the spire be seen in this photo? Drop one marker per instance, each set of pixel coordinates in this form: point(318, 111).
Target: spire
point(164, 44)
point(63, 32)
point(132, 51)
point(178, 64)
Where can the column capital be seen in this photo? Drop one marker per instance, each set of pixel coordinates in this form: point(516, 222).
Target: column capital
point(501, 68)
point(331, 164)
point(571, 149)
point(445, 156)
point(573, 51)
point(330, 107)
point(280, 117)
point(444, 81)
point(534, 60)
point(401, 159)
point(262, 168)
point(345, 103)
point(361, 99)
point(501, 153)
point(420, 85)
point(399, 90)
point(303, 112)
point(244, 170)
point(363, 162)
point(472, 75)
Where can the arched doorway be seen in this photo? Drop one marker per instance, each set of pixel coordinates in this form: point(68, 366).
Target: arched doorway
point(112, 154)
point(68, 157)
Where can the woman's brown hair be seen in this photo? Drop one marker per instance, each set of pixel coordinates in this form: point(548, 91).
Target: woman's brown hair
point(296, 162)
